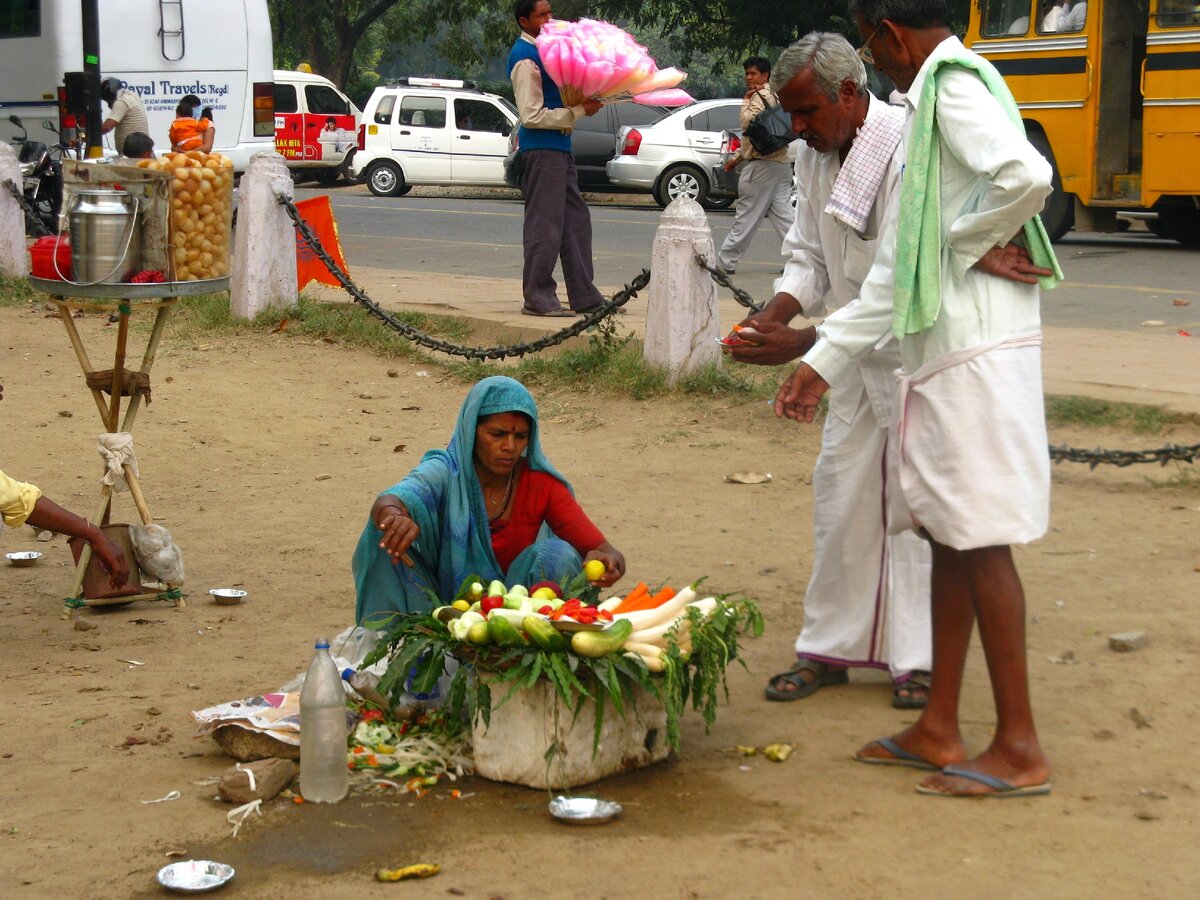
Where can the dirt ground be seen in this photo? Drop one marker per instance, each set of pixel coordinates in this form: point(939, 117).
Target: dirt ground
point(262, 455)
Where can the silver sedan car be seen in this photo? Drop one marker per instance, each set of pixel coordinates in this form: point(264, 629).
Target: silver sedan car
point(675, 156)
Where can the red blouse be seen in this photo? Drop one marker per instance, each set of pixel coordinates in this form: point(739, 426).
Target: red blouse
point(542, 498)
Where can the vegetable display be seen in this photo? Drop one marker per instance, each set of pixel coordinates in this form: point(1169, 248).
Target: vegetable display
point(670, 643)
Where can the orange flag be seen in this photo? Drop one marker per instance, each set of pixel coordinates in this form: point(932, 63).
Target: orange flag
point(317, 213)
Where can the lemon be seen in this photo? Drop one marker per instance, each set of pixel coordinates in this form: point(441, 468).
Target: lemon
point(462, 605)
point(594, 570)
point(543, 593)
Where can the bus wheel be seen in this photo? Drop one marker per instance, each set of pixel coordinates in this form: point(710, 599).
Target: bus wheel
point(1182, 225)
point(1058, 215)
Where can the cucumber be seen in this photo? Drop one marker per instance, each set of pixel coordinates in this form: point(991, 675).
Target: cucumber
point(544, 634)
point(503, 633)
point(445, 613)
point(496, 589)
point(479, 633)
point(594, 644)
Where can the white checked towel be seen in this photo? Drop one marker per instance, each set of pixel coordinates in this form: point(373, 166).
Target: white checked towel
point(857, 183)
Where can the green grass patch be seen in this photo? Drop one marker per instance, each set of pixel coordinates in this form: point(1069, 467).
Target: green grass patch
point(1091, 413)
point(16, 292)
point(345, 323)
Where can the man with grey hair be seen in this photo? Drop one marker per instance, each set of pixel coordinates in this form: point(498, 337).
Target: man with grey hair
point(956, 280)
point(868, 598)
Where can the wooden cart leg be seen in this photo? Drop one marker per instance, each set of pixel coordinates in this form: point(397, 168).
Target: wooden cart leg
point(81, 355)
point(135, 401)
point(114, 409)
point(85, 555)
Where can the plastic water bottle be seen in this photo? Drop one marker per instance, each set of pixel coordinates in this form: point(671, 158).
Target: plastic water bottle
point(324, 774)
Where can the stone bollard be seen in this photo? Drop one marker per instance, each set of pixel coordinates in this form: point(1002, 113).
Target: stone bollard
point(14, 259)
point(264, 247)
point(682, 322)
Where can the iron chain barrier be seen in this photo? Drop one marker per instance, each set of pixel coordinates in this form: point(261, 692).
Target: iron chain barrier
point(1093, 458)
point(1123, 458)
point(32, 220)
point(502, 351)
point(726, 282)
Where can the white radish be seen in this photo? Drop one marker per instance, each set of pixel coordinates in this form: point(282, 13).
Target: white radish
point(648, 618)
point(611, 603)
point(658, 634)
point(652, 650)
point(653, 663)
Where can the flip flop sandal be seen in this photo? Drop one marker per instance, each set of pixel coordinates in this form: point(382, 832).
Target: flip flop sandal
point(823, 676)
point(917, 684)
point(899, 757)
point(1000, 789)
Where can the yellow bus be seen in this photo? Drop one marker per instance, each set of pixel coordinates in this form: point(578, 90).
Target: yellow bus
point(1110, 93)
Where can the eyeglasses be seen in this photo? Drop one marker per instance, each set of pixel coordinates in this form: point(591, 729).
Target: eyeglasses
point(864, 52)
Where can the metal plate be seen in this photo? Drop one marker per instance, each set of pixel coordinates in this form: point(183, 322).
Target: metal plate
point(584, 810)
point(122, 291)
point(193, 876)
point(227, 596)
point(24, 558)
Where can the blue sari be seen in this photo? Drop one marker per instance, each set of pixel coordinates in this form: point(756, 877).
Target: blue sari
point(443, 496)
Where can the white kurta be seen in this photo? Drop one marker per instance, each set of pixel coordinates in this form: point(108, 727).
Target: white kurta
point(868, 599)
point(992, 181)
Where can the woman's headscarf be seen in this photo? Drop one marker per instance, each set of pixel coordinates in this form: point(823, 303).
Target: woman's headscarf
point(445, 500)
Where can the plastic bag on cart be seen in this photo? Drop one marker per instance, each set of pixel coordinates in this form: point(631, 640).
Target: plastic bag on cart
point(157, 553)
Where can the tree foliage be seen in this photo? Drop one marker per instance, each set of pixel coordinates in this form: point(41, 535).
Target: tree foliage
point(731, 28)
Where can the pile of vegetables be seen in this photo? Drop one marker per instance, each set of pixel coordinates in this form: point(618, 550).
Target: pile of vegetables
point(667, 642)
point(420, 752)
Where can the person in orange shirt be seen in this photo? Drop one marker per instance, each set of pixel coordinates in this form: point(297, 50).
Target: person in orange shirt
point(189, 133)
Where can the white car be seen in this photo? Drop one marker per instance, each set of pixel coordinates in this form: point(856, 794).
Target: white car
point(675, 156)
point(432, 131)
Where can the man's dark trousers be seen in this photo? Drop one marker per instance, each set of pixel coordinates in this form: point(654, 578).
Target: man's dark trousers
point(557, 224)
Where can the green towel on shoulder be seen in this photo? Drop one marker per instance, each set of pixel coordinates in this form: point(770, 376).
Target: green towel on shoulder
point(918, 270)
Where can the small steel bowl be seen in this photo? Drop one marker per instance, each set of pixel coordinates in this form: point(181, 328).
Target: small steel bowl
point(227, 596)
point(24, 558)
point(584, 810)
point(191, 876)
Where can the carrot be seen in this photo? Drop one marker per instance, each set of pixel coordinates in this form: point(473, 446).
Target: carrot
point(633, 596)
point(651, 601)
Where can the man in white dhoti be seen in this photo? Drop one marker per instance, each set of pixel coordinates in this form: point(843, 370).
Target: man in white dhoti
point(868, 599)
point(967, 463)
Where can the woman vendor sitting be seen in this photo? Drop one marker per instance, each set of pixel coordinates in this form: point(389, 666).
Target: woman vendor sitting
point(483, 506)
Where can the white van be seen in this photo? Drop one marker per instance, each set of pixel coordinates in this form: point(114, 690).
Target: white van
point(219, 50)
point(316, 125)
point(432, 131)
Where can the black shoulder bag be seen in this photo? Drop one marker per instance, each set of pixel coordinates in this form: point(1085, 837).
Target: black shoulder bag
point(771, 130)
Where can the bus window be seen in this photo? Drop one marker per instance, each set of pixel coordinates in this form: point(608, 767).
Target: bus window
point(1073, 17)
point(1005, 17)
point(1174, 13)
point(21, 18)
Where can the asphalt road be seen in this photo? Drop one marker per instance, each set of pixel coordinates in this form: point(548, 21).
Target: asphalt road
point(1120, 281)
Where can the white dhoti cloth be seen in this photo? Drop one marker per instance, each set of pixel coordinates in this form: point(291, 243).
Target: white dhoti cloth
point(867, 602)
point(968, 459)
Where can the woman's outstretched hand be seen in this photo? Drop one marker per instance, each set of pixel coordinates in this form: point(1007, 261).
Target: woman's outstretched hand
point(399, 530)
point(614, 564)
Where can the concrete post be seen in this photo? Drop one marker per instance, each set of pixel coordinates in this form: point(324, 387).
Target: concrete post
point(14, 259)
point(264, 247)
point(682, 322)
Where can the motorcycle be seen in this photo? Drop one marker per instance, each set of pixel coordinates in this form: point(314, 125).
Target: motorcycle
point(41, 170)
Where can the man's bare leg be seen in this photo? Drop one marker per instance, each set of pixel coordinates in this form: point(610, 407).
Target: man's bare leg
point(1014, 755)
point(935, 737)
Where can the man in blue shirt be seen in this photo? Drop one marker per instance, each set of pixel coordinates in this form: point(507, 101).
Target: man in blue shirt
point(557, 222)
